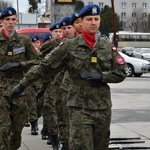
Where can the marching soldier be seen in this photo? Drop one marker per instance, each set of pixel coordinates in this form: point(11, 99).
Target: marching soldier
point(16, 57)
point(92, 63)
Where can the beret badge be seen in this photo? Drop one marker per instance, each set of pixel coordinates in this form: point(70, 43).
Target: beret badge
point(64, 23)
point(10, 12)
point(94, 10)
point(57, 26)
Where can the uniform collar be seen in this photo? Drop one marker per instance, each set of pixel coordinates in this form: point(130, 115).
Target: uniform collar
point(99, 43)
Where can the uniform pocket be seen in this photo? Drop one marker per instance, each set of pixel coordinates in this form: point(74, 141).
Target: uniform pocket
point(105, 60)
point(79, 60)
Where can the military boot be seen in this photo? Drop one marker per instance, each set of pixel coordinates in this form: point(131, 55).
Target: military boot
point(49, 141)
point(55, 142)
point(34, 128)
point(44, 134)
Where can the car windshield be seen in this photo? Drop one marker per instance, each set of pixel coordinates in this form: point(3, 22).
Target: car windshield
point(146, 51)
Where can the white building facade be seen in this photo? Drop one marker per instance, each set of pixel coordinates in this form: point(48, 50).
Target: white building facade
point(127, 10)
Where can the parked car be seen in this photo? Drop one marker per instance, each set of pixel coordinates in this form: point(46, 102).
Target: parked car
point(142, 53)
point(34, 31)
point(128, 50)
point(135, 66)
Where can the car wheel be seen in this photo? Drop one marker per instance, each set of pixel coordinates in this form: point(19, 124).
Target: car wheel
point(138, 74)
point(129, 70)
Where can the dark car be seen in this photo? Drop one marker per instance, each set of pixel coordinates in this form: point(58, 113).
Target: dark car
point(128, 51)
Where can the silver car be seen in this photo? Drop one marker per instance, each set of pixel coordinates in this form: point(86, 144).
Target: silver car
point(142, 53)
point(135, 66)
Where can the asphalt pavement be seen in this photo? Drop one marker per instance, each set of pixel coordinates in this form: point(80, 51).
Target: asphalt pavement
point(130, 127)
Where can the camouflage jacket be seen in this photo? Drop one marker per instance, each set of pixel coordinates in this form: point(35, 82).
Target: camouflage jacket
point(17, 48)
point(77, 55)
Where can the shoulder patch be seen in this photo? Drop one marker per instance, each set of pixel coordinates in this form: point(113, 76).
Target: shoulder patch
point(119, 59)
point(114, 49)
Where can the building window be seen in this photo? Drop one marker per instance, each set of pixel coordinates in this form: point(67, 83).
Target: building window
point(133, 14)
point(133, 5)
point(123, 14)
point(124, 24)
point(144, 14)
point(133, 24)
point(123, 5)
point(90, 3)
point(144, 24)
point(144, 5)
point(101, 5)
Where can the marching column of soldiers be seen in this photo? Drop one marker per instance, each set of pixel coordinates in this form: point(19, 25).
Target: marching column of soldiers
point(64, 80)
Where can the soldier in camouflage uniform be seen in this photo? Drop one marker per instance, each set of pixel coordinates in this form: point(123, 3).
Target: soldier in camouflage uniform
point(16, 57)
point(50, 93)
point(92, 63)
point(75, 22)
point(34, 106)
point(53, 103)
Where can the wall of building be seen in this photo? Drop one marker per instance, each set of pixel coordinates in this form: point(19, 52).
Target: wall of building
point(57, 11)
point(128, 9)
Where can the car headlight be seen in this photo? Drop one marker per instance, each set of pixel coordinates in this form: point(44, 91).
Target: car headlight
point(146, 56)
point(141, 63)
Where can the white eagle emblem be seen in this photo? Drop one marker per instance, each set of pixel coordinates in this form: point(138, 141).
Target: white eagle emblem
point(76, 14)
point(9, 12)
point(64, 23)
point(94, 10)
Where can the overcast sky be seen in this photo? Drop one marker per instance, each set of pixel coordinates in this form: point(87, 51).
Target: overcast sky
point(23, 5)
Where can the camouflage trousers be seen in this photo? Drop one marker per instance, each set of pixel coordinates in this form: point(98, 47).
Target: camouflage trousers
point(63, 116)
point(50, 114)
point(56, 112)
point(13, 116)
point(35, 107)
point(92, 126)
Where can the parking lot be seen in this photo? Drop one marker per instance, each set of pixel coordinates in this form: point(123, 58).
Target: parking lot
point(130, 115)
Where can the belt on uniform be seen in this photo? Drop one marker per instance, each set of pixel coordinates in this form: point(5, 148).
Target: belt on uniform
point(92, 83)
point(11, 74)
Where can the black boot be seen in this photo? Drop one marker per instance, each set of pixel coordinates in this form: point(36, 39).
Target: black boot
point(55, 142)
point(34, 128)
point(44, 134)
point(49, 141)
point(65, 146)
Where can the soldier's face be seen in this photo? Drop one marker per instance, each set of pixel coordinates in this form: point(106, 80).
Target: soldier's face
point(91, 24)
point(77, 26)
point(67, 30)
point(56, 34)
point(9, 22)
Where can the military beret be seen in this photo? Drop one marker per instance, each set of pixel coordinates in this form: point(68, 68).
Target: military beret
point(54, 26)
point(90, 10)
point(74, 17)
point(65, 22)
point(8, 11)
point(46, 37)
point(35, 38)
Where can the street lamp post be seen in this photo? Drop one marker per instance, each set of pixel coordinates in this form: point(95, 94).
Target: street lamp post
point(18, 14)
